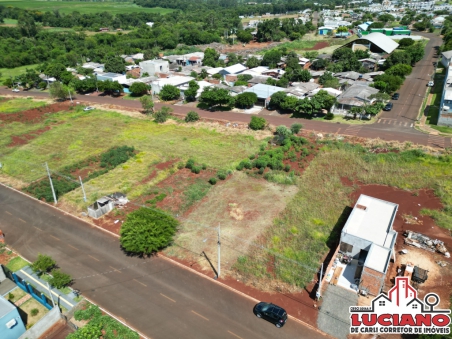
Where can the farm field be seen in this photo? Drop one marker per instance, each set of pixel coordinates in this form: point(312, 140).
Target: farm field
point(83, 7)
point(277, 223)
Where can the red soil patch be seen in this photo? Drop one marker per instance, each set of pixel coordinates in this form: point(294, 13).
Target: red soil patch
point(298, 305)
point(160, 167)
point(251, 45)
point(319, 45)
point(23, 139)
point(34, 115)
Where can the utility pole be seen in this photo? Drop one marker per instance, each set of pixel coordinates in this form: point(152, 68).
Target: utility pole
point(51, 185)
point(83, 189)
point(70, 96)
point(219, 252)
point(50, 293)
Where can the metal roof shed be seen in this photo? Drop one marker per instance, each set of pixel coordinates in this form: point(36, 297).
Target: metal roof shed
point(264, 91)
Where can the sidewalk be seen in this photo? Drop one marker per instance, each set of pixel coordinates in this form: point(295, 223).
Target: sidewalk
point(65, 300)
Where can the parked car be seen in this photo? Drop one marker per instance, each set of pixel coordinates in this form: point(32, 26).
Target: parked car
point(88, 108)
point(16, 90)
point(395, 96)
point(434, 63)
point(271, 312)
point(388, 106)
point(430, 84)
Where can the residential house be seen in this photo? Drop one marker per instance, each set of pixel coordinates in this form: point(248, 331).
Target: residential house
point(445, 112)
point(368, 238)
point(369, 63)
point(348, 75)
point(446, 58)
point(263, 92)
point(301, 89)
point(176, 81)
point(213, 71)
point(151, 67)
point(11, 324)
point(331, 91)
point(234, 69)
point(275, 73)
point(304, 63)
point(258, 79)
point(356, 95)
point(96, 67)
point(325, 30)
point(202, 85)
point(111, 76)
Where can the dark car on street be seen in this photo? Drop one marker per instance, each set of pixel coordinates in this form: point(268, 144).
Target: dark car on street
point(271, 312)
point(395, 96)
point(388, 106)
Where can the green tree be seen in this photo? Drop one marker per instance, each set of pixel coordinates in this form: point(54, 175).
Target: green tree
point(43, 264)
point(277, 99)
point(416, 52)
point(27, 25)
point(110, 87)
point(302, 75)
point(311, 55)
point(232, 59)
point(214, 96)
point(58, 91)
point(147, 104)
point(324, 99)
point(115, 65)
point(163, 114)
point(397, 57)
point(388, 83)
point(138, 88)
point(244, 36)
point(252, 62)
point(192, 91)
point(325, 77)
point(271, 58)
point(342, 29)
point(210, 57)
point(405, 42)
point(203, 74)
point(289, 103)
point(192, 116)
point(146, 231)
point(283, 132)
point(244, 77)
point(401, 70)
point(66, 77)
point(246, 99)
point(60, 279)
point(169, 92)
point(55, 70)
point(8, 82)
point(257, 123)
point(386, 18)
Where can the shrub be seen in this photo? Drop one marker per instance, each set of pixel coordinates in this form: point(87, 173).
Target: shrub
point(283, 132)
point(180, 165)
point(261, 162)
point(43, 264)
point(116, 156)
point(60, 279)
point(247, 164)
point(196, 169)
point(252, 156)
point(34, 312)
point(212, 181)
point(295, 128)
point(222, 175)
point(204, 167)
point(257, 123)
point(190, 163)
point(10, 296)
point(163, 114)
point(192, 116)
point(239, 166)
point(169, 92)
point(261, 170)
point(287, 168)
point(146, 231)
point(329, 116)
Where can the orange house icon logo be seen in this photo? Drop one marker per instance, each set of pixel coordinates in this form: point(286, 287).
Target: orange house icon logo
point(401, 311)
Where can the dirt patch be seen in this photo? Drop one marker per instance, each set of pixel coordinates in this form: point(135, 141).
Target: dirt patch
point(34, 115)
point(23, 139)
point(243, 206)
point(252, 46)
point(319, 45)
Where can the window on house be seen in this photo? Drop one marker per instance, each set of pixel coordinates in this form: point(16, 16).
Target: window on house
point(381, 303)
point(160, 67)
point(346, 247)
point(414, 306)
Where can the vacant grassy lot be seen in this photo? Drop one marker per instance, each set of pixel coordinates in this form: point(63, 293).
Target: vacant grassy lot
point(18, 105)
point(12, 72)
point(83, 7)
point(310, 225)
point(16, 264)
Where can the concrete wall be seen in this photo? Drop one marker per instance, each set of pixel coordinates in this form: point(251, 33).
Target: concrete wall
point(14, 332)
point(43, 325)
point(151, 67)
point(372, 281)
point(357, 243)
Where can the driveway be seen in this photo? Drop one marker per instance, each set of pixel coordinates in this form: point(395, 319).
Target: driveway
point(156, 297)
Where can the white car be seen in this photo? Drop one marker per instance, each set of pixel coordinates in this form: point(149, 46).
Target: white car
point(16, 90)
point(430, 84)
point(88, 108)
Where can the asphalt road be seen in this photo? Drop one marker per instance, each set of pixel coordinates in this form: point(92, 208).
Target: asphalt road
point(156, 297)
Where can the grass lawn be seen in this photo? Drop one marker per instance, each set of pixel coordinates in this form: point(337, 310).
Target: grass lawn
point(16, 264)
point(83, 7)
point(9, 22)
point(28, 307)
point(310, 224)
point(18, 105)
point(12, 72)
point(15, 294)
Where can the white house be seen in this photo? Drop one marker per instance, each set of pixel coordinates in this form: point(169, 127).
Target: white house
point(154, 66)
point(111, 76)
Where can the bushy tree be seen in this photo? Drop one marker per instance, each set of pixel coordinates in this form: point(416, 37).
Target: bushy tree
point(192, 116)
point(257, 123)
point(296, 127)
point(43, 264)
point(163, 114)
point(169, 92)
point(210, 57)
point(289, 103)
point(58, 91)
point(401, 70)
point(214, 96)
point(277, 99)
point(60, 279)
point(147, 104)
point(139, 88)
point(252, 62)
point(115, 64)
point(110, 87)
point(387, 83)
point(146, 231)
point(271, 58)
point(192, 91)
point(246, 99)
point(405, 42)
point(325, 77)
point(283, 132)
point(244, 36)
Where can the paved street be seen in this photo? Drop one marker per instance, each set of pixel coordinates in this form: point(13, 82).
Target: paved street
point(158, 298)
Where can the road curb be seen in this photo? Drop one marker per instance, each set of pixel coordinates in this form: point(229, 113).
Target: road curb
point(161, 255)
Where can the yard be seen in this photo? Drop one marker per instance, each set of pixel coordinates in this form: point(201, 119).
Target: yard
point(28, 312)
